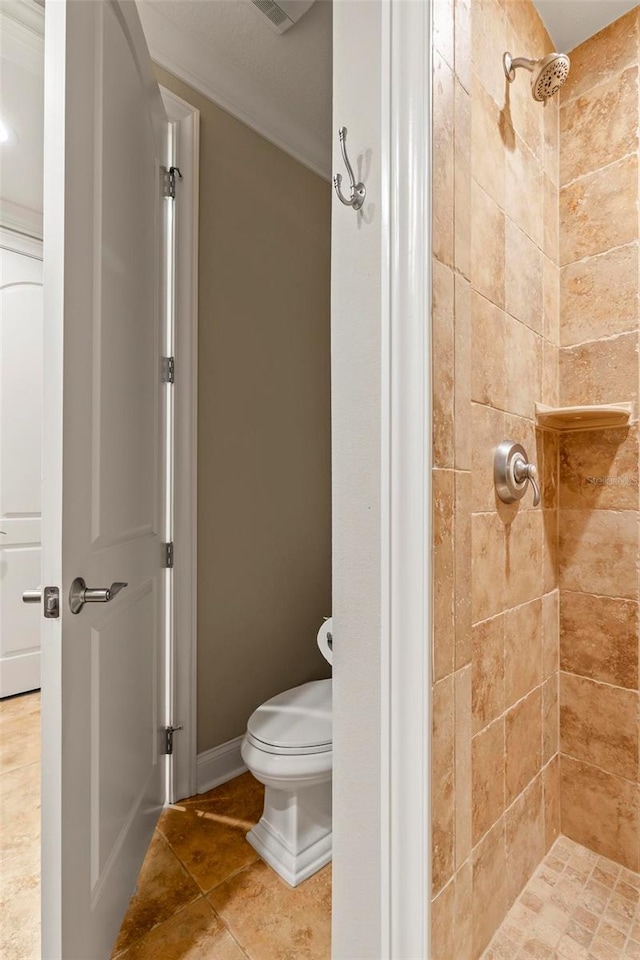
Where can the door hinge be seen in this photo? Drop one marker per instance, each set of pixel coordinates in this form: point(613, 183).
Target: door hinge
point(168, 737)
point(168, 554)
point(170, 177)
point(168, 370)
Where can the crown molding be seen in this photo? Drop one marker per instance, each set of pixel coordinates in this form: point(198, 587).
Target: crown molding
point(191, 61)
point(20, 219)
point(19, 243)
point(28, 14)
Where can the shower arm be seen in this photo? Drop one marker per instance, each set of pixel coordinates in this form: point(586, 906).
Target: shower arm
point(511, 64)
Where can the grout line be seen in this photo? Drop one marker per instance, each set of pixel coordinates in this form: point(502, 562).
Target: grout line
point(206, 892)
point(227, 927)
point(234, 874)
point(596, 256)
point(531, 916)
point(160, 923)
point(608, 338)
point(516, 606)
point(567, 98)
point(600, 683)
point(591, 173)
point(598, 596)
point(508, 808)
point(594, 766)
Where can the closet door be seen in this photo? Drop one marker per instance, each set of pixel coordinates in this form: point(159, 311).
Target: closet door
point(20, 465)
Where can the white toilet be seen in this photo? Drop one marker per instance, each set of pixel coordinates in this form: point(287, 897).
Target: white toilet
point(288, 748)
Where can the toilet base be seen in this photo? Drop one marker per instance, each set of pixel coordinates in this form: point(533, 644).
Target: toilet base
point(294, 833)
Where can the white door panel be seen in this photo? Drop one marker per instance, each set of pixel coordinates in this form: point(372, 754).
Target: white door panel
point(103, 497)
point(20, 468)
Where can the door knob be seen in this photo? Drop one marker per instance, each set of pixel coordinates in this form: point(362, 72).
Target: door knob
point(80, 594)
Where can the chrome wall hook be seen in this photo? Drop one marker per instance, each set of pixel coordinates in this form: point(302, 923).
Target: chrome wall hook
point(358, 190)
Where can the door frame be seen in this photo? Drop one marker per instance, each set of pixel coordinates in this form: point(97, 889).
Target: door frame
point(406, 492)
point(405, 473)
point(383, 411)
point(184, 120)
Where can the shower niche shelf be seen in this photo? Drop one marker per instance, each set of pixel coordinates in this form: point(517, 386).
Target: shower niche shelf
point(599, 416)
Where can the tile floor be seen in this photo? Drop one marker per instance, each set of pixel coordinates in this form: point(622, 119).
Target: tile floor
point(203, 893)
point(577, 906)
point(20, 827)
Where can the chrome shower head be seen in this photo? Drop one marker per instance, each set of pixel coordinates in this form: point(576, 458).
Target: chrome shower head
point(547, 74)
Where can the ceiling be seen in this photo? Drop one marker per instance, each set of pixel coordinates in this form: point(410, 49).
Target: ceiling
point(570, 22)
point(279, 84)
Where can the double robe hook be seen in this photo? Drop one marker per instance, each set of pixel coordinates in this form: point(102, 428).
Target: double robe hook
point(358, 190)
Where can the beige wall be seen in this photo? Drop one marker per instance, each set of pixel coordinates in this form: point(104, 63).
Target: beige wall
point(599, 558)
point(495, 336)
point(264, 473)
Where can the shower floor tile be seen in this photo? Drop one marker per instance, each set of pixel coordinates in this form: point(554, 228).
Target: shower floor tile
point(577, 906)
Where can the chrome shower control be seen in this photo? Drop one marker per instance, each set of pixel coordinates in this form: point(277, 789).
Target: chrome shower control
point(513, 473)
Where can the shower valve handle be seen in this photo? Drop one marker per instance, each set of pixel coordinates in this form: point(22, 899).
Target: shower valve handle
point(513, 473)
point(527, 471)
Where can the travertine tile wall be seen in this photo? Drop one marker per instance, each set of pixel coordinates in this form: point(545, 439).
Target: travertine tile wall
point(495, 769)
point(599, 546)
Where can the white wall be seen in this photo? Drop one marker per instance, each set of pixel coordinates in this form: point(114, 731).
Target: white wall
point(356, 384)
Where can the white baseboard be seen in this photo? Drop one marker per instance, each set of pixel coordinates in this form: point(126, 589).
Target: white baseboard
point(219, 765)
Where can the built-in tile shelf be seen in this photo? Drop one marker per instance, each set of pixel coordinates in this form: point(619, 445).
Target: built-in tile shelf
point(597, 417)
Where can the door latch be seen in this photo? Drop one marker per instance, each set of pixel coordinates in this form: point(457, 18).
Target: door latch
point(51, 598)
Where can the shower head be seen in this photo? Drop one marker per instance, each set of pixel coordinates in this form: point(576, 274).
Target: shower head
point(547, 74)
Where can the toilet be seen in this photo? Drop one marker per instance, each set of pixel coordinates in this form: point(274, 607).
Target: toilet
point(288, 747)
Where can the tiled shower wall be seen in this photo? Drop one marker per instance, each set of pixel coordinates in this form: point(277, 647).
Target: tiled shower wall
point(599, 554)
point(495, 769)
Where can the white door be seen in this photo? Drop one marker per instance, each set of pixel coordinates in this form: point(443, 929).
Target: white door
point(103, 494)
point(20, 466)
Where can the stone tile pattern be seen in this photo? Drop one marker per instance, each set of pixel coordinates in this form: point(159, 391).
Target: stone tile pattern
point(599, 556)
point(20, 827)
point(577, 906)
point(495, 771)
point(203, 892)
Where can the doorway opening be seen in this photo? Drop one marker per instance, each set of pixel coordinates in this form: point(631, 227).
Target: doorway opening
point(21, 364)
point(265, 435)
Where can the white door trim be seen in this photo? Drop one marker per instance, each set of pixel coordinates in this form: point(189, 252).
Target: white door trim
point(406, 482)
point(185, 121)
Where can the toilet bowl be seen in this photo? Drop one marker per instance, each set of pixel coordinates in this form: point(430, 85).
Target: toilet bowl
point(288, 747)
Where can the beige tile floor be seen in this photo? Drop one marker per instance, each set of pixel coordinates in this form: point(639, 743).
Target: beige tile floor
point(20, 827)
point(577, 906)
point(203, 893)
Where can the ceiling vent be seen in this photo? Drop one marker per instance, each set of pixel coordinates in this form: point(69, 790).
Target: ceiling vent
point(284, 13)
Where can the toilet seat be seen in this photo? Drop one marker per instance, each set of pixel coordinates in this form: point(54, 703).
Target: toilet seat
point(294, 723)
point(287, 751)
